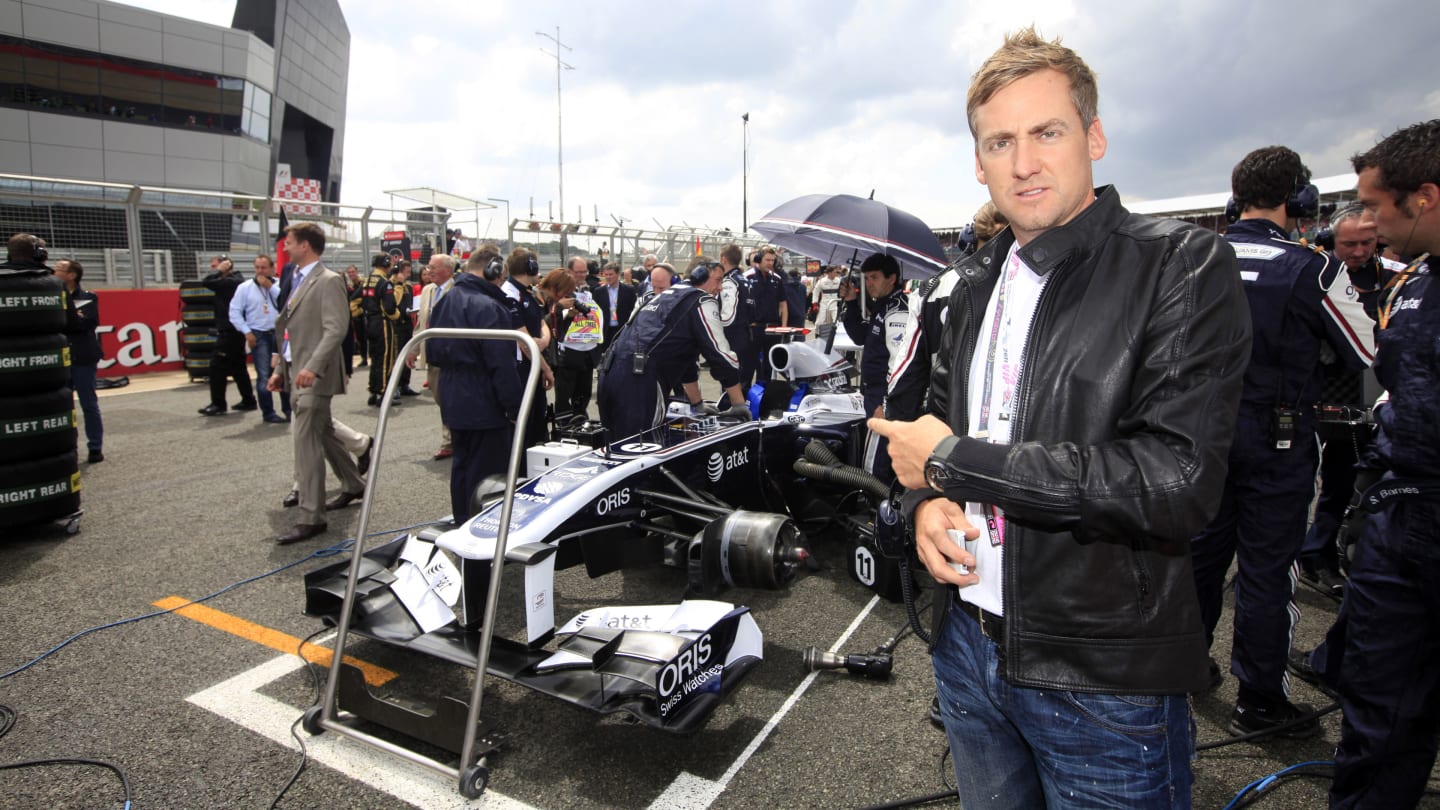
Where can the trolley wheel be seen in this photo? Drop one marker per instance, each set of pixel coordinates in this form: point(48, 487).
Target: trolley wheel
point(474, 779)
point(310, 721)
point(72, 526)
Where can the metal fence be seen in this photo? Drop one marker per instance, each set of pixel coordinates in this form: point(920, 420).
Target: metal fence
point(554, 241)
point(140, 236)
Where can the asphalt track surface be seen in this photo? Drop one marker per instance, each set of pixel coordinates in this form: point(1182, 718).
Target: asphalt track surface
point(196, 708)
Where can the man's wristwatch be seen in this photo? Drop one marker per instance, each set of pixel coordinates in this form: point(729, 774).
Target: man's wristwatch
point(937, 471)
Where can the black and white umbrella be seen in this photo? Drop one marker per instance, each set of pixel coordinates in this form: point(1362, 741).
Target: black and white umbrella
point(836, 227)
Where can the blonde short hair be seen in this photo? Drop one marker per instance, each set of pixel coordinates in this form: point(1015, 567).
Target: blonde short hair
point(1023, 54)
point(988, 222)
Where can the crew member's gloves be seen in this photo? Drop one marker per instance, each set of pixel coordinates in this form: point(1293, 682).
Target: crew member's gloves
point(740, 412)
point(704, 409)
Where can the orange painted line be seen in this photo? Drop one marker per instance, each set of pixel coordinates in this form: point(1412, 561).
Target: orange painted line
point(274, 639)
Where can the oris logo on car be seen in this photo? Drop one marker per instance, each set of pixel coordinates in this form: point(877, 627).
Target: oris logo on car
point(686, 667)
point(613, 501)
point(720, 462)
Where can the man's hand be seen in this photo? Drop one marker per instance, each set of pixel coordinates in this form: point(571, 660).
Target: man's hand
point(911, 444)
point(411, 359)
point(933, 519)
point(739, 411)
point(547, 377)
point(274, 385)
point(305, 378)
point(250, 341)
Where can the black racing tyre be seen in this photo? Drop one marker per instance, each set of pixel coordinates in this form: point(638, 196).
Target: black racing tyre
point(32, 364)
point(37, 425)
point(196, 294)
point(198, 316)
point(198, 366)
point(31, 304)
point(39, 490)
point(198, 340)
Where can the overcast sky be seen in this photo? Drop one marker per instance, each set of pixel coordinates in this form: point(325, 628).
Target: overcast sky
point(843, 96)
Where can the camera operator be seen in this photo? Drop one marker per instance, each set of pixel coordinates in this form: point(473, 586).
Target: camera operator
point(654, 352)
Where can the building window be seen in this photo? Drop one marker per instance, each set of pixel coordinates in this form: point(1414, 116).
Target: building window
point(77, 82)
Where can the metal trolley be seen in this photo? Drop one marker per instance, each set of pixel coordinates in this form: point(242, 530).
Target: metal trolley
point(473, 774)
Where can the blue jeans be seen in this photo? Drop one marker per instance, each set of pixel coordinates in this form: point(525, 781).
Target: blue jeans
point(1021, 748)
point(82, 379)
point(265, 348)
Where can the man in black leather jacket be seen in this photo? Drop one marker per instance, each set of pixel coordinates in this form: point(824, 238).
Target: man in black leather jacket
point(1089, 448)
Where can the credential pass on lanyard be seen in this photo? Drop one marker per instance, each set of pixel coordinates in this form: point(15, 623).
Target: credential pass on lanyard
point(994, 518)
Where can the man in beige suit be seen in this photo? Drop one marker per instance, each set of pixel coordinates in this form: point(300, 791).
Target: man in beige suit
point(442, 270)
point(313, 324)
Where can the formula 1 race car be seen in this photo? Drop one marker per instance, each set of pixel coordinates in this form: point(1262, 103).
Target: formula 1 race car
point(720, 500)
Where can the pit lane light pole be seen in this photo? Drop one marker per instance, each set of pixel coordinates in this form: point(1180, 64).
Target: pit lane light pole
point(744, 173)
point(507, 214)
point(559, 122)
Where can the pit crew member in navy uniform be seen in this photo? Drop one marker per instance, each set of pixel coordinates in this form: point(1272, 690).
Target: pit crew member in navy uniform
point(1065, 653)
point(737, 306)
point(377, 301)
point(654, 352)
point(1275, 455)
point(768, 308)
point(480, 390)
point(1389, 623)
point(522, 270)
point(880, 338)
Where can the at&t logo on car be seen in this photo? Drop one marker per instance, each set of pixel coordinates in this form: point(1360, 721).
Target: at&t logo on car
point(720, 462)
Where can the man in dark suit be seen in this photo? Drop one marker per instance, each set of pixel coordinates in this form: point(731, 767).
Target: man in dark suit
point(616, 301)
point(314, 319)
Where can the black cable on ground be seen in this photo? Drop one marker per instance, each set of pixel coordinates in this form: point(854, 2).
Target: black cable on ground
point(7, 720)
point(338, 548)
point(314, 699)
point(915, 802)
point(948, 793)
point(33, 763)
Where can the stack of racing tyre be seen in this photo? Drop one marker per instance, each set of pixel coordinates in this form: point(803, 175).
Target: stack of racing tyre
point(39, 466)
point(197, 312)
